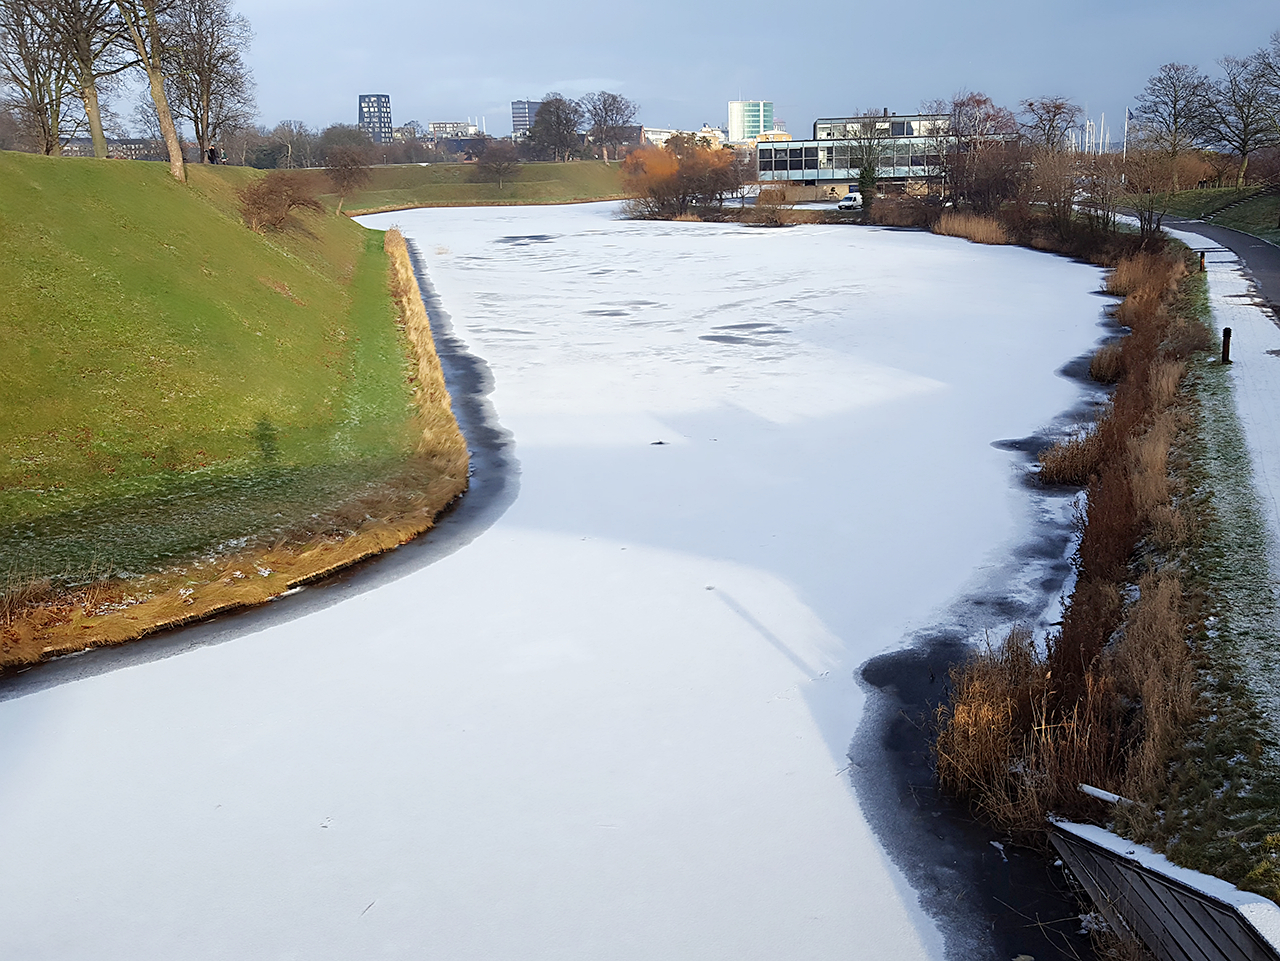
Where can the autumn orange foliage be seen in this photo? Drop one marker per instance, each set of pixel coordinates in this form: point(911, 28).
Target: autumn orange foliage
point(664, 182)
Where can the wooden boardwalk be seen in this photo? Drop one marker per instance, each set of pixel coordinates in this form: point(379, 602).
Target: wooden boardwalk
point(1180, 915)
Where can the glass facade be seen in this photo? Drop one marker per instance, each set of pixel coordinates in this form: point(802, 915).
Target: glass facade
point(749, 118)
point(522, 114)
point(375, 116)
point(908, 148)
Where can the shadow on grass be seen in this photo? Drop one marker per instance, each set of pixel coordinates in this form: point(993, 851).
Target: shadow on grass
point(195, 514)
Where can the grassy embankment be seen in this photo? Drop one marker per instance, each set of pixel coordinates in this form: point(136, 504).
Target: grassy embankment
point(197, 417)
point(1258, 215)
point(1145, 689)
point(444, 185)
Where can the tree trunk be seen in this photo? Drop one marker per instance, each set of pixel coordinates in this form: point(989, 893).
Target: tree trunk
point(89, 93)
point(167, 128)
point(1244, 165)
point(204, 136)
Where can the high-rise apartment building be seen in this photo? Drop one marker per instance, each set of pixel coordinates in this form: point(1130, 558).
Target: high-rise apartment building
point(522, 114)
point(749, 118)
point(375, 116)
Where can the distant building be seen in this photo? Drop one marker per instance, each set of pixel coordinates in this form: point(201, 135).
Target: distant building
point(749, 119)
point(658, 136)
point(375, 116)
point(119, 149)
point(452, 130)
point(523, 113)
point(909, 148)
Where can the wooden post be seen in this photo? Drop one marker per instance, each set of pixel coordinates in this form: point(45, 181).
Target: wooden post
point(1226, 345)
point(1202, 261)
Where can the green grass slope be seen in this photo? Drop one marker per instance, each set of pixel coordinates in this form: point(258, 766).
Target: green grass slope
point(1258, 215)
point(442, 185)
point(172, 382)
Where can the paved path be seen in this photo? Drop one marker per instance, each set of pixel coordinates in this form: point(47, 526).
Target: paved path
point(1244, 294)
point(1261, 258)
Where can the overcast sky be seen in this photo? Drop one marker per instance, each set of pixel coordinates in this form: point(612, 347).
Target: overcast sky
point(682, 62)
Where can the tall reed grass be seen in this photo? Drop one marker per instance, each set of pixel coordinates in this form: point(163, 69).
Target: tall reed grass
point(971, 226)
point(1107, 697)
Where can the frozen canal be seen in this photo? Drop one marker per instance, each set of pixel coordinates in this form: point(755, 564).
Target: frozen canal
point(613, 725)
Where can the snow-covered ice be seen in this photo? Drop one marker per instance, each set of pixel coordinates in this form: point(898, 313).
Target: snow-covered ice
point(614, 724)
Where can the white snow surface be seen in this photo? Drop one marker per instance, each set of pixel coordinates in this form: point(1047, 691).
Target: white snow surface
point(614, 725)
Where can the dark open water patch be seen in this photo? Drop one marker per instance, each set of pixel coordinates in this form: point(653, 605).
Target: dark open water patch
point(991, 899)
point(989, 902)
point(524, 240)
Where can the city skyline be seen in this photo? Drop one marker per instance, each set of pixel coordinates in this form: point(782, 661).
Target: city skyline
point(995, 48)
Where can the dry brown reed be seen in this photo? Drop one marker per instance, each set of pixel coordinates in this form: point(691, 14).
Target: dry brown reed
point(1112, 693)
point(974, 227)
point(1107, 364)
point(37, 623)
point(902, 212)
point(1071, 461)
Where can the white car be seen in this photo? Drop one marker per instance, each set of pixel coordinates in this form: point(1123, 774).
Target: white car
point(850, 201)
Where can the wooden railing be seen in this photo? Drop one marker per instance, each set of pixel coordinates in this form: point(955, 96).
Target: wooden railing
point(1179, 914)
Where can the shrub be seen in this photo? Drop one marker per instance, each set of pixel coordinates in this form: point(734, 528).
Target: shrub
point(974, 227)
point(268, 201)
point(902, 212)
point(664, 182)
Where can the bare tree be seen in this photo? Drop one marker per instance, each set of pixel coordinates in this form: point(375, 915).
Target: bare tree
point(1173, 110)
point(939, 143)
point(10, 132)
point(610, 114)
point(1240, 118)
point(1049, 121)
point(1268, 62)
point(555, 126)
point(338, 135)
point(499, 162)
point(867, 140)
point(209, 83)
point(347, 167)
point(92, 38)
point(1053, 181)
point(144, 21)
point(1102, 178)
point(300, 144)
point(984, 161)
point(37, 73)
point(1149, 182)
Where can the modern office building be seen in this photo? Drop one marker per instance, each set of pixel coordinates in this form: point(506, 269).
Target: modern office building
point(909, 148)
point(375, 116)
point(452, 129)
point(522, 115)
point(749, 118)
